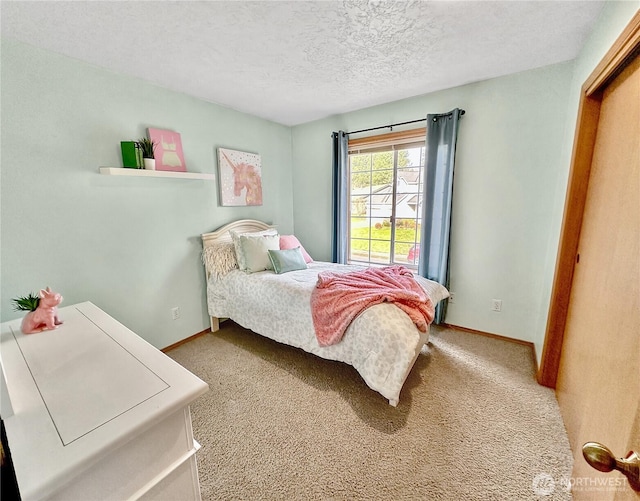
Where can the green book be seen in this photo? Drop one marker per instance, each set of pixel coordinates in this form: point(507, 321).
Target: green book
point(130, 155)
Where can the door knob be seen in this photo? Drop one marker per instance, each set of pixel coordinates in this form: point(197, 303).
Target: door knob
point(602, 459)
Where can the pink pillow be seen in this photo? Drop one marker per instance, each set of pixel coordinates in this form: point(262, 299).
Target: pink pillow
point(291, 242)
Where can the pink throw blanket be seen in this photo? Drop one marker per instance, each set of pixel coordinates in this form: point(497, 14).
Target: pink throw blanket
point(339, 298)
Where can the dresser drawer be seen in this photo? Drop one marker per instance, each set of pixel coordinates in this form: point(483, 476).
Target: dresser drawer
point(143, 461)
point(181, 484)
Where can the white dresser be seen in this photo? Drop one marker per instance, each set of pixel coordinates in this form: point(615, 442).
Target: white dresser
point(96, 412)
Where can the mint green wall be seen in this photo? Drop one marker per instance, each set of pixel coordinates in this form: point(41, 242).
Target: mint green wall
point(130, 245)
point(613, 19)
point(507, 162)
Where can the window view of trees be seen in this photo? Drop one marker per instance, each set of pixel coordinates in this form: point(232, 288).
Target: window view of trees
point(385, 196)
point(375, 168)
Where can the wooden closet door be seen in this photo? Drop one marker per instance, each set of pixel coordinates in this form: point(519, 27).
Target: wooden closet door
point(598, 385)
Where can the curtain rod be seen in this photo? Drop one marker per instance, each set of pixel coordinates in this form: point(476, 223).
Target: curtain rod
point(391, 126)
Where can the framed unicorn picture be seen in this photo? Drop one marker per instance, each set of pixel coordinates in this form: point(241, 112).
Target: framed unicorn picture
point(240, 178)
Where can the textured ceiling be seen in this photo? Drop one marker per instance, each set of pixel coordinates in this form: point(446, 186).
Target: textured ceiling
point(297, 61)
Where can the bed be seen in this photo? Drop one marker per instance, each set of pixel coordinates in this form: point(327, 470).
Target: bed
point(382, 343)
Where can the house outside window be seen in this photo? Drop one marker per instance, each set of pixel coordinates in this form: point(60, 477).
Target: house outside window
point(386, 175)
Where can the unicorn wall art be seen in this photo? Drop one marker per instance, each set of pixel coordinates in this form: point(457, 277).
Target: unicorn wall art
point(240, 178)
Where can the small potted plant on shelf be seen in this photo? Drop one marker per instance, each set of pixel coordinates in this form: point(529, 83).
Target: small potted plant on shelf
point(147, 147)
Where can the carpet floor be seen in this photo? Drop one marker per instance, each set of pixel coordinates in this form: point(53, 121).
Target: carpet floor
point(280, 424)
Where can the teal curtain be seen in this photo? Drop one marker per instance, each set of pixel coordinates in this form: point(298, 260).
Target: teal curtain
point(339, 243)
point(442, 134)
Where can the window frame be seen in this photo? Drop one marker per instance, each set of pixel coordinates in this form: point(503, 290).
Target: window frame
point(392, 141)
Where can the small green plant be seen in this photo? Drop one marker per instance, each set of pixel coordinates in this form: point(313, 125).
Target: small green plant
point(146, 146)
point(26, 303)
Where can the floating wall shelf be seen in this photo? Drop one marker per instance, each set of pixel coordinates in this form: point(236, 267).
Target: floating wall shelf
point(118, 171)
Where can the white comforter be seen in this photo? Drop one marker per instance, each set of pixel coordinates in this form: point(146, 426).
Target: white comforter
point(381, 343)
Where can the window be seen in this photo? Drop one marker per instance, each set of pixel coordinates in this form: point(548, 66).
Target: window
point(386, 175)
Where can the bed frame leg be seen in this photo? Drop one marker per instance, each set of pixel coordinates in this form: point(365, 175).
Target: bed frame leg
point(215, 324)
point(393, 402)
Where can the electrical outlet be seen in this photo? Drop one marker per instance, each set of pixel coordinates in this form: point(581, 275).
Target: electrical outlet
point(452, 297)
point(175, 313)
point(496, 304)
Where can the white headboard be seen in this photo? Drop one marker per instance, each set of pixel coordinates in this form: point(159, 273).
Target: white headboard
point(241, 225)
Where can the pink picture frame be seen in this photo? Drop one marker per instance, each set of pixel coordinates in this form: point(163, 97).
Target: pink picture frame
point(168, 152)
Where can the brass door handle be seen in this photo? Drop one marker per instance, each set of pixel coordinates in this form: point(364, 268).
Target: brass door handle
point(602, 459)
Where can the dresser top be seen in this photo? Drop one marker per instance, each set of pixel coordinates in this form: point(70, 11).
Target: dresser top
point(80, 391)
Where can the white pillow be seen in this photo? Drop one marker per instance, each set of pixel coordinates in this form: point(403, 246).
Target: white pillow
point(255, 251)
point(235, 237)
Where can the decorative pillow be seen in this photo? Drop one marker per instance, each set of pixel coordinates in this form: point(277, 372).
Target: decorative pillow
point(235, 237)
point(254, 251)
point(287, 260)
point(437, 292)
point(220, 259)
point(291, 242)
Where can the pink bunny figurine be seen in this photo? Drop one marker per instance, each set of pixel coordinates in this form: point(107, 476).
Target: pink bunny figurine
point(45, 316)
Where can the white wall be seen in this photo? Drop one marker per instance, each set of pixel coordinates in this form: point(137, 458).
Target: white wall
point(130, 245)
point(508, 161)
